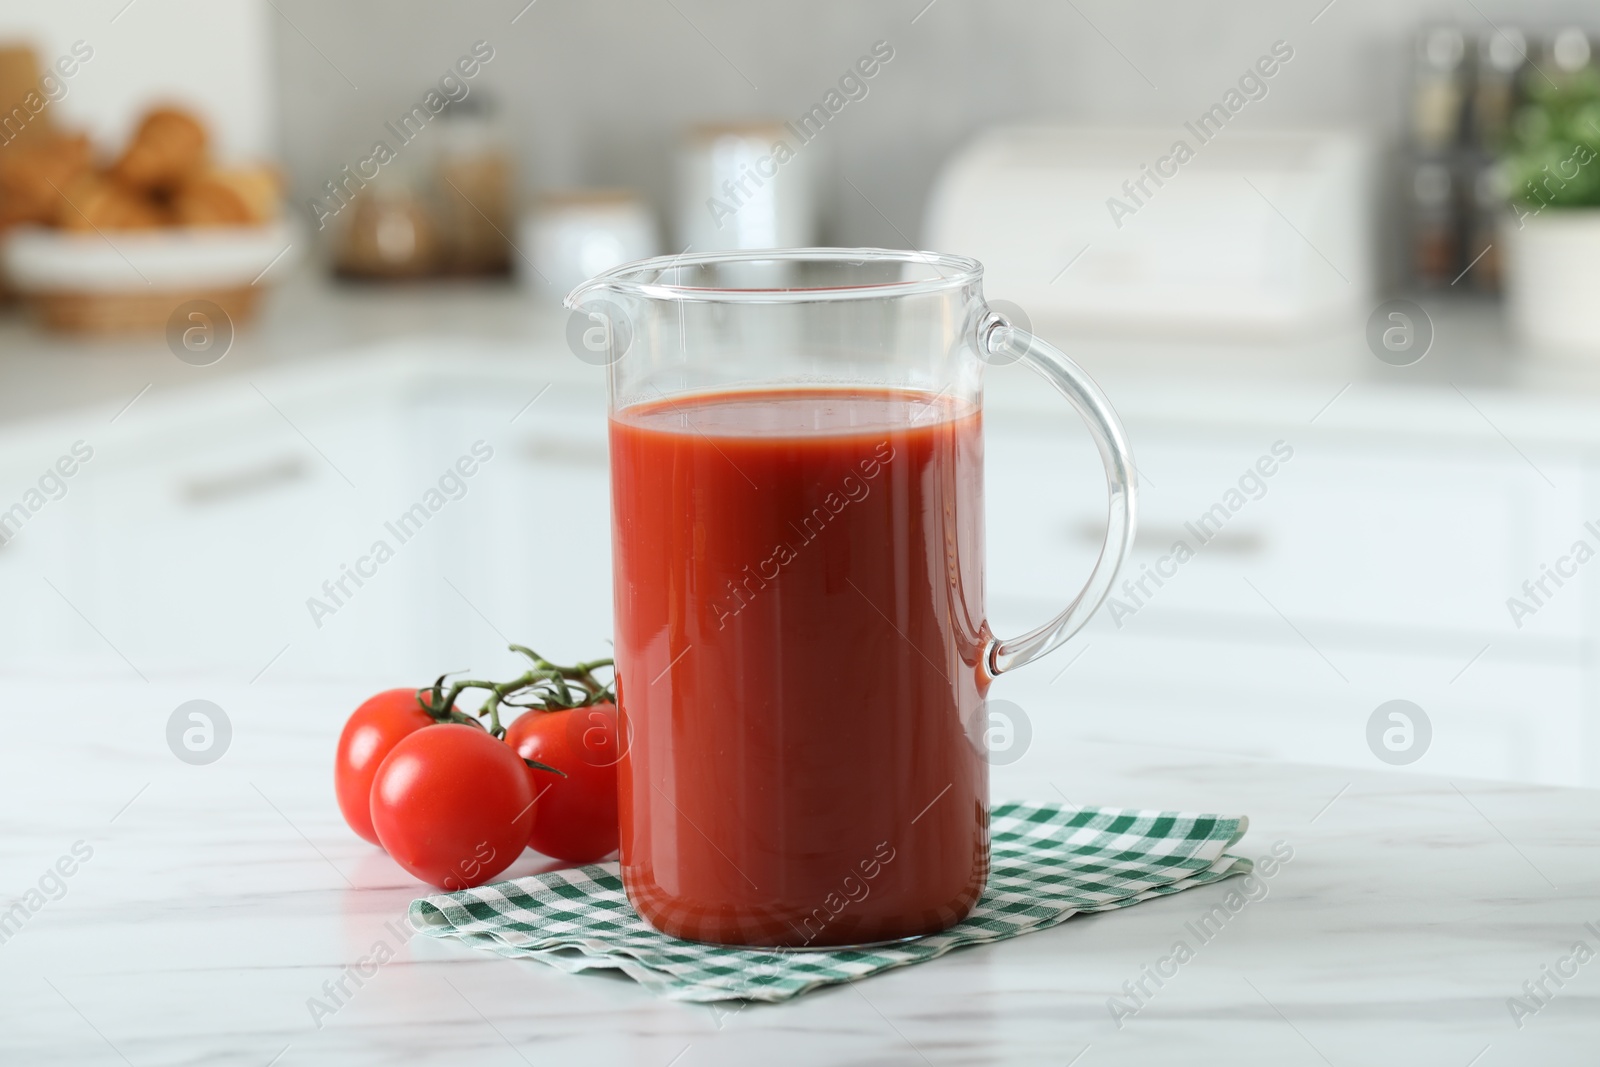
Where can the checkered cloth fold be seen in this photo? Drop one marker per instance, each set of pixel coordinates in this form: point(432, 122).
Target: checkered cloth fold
point(1047, 864)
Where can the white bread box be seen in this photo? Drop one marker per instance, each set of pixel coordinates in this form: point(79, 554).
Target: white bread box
point(1090, 230)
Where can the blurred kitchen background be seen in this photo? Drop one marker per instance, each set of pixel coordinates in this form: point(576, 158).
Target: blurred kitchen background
point(274, 266)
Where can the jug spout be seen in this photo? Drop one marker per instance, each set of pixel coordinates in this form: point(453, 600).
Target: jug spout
point(585, 291)
point(640, 278)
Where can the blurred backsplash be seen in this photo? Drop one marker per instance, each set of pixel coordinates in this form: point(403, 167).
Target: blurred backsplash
point(551, 139)
point(602, 93)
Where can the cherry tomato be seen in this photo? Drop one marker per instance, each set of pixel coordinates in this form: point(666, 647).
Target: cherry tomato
point(576, 818)
point(371, 732)
point(453, 805)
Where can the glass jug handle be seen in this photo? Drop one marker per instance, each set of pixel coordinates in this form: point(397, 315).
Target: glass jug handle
point(997, 338)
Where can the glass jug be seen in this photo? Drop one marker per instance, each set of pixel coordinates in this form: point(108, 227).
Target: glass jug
point(802, 654)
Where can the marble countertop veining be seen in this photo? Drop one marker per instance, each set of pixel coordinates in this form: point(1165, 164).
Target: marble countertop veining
point(208, 909)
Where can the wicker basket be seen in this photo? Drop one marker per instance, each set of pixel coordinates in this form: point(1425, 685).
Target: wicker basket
point(86, 285)
point(128, 313)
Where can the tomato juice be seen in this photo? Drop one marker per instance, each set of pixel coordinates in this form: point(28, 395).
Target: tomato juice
point(799, 643)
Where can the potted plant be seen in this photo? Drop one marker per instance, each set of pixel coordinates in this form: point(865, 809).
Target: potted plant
point(1552, 233)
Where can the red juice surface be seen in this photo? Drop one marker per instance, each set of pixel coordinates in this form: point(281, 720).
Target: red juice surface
point(799, 633)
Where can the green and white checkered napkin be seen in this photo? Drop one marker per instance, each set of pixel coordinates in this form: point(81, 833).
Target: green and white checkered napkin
point(1047, 864)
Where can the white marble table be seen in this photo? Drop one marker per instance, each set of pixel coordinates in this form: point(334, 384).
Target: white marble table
point(219, 899)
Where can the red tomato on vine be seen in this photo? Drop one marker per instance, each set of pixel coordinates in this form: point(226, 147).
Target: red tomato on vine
point(575, 818)
point(369, 735)
point(455, 801)
point(453, 805)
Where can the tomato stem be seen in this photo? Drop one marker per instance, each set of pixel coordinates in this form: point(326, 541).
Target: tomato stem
point(545, 686)
point(432, 701)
